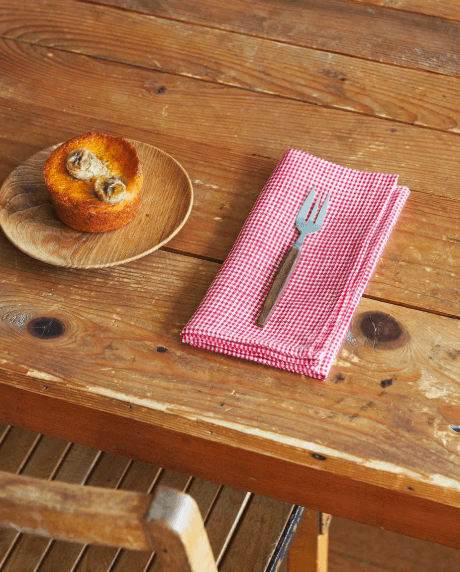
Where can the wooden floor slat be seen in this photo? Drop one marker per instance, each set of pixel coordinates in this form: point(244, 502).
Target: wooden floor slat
point(353, 547)
point(109, 473)
point(221, 506)
point(42, 457)
point(16, 449)
point(67, 556)
point(380, 34)
point(252, 63)
point(4, 430)
point(30, 550)
point(247, 552)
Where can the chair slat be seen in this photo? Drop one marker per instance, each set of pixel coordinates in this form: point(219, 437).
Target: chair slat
point(61, 511)
point(74, 465)
point(141, 478)
point(104, 558)
point(204, 493)
point(230, 515)
point(110, 473)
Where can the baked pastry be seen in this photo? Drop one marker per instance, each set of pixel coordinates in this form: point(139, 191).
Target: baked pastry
point(95, 182)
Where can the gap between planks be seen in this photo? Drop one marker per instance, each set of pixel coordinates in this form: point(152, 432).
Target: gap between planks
point(7, 431)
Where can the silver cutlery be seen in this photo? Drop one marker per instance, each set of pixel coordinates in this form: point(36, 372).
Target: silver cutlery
point(286, 268)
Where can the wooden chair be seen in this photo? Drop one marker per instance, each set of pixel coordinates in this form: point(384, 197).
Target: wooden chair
point(70, 508)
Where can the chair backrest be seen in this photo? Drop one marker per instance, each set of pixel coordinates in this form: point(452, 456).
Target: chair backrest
point(170, 523)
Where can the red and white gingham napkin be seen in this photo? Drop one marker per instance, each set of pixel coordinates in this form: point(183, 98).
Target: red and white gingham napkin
point(306, 330)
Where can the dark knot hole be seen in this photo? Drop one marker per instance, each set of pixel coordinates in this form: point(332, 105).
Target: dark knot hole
point(46, 328)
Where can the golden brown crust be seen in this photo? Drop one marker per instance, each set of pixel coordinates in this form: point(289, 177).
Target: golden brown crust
point(74, 200)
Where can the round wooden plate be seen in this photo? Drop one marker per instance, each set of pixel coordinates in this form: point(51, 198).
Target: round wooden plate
point(30, 222)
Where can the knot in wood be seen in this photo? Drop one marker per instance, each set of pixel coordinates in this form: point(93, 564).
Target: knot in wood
point(381, 330)
point(46, 328)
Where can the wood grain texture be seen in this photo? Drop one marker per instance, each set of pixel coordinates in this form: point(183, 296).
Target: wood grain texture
point(265, 519)
point(343, 26)
point(67, 556)
point(310, 549)
point(61, 510)
point(445, 9)
point(375, 443)
point(245, 552)
point(29, 220)
point(356, 547)
point(360, 420)
point(177, 530)
point(26, 551)
point(364, 502)
point(252, 63)
point(419, 268)
point(201, 112)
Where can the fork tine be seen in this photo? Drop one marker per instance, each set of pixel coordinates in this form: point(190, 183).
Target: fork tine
point(305, 208)
point(314, 211)
point(322, 213)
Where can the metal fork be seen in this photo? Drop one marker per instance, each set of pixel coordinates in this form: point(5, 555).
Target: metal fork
point(286, 268)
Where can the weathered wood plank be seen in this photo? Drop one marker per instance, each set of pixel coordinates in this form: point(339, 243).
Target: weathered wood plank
point(202, 491)
point(343, 26)
point(249, 62)
point(29, 550)
point(383, 406)
point(357, 543)
point(245, 552)
point(227, 178)
point(263, 522)
point(100, 558)
point(63, 555)
point(445, 9)
point(309, 551)
point(264, 473)
point(141, 478)
point(238, 120)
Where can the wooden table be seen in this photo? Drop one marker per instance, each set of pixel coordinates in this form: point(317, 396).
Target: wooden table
point(227, 88)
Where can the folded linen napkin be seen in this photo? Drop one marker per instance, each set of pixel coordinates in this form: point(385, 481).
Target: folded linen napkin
point(307, 328)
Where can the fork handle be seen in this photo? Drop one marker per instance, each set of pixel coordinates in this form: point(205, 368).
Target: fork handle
point(280, 281)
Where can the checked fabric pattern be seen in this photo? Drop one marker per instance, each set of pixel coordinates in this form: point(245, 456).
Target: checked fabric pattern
point(307, 328)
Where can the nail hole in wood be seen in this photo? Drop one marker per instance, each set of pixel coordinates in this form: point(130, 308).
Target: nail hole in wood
point(46, 328)
point(319, 457)
point(455, 428)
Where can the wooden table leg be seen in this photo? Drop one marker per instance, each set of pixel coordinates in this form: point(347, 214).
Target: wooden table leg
point(309, 549)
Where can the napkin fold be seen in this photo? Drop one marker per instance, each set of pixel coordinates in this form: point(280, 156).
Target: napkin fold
point(307, 328)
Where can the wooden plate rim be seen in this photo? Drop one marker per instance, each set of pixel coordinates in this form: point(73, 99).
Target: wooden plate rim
point(109, 263)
